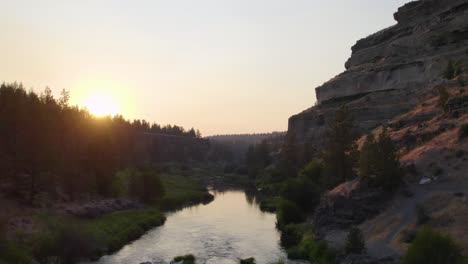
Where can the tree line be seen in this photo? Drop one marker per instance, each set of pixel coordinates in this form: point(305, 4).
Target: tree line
point(49, 147)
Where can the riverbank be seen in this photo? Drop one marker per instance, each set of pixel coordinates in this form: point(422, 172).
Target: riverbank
point(230, 228)
point(56, 236)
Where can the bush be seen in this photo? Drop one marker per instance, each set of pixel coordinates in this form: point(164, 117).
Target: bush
point(313, 251)
point(63, 241)
point(248, 261)
point(430, 247)
point(302, 192)
point(313, 171)
point(288, 213)
point(463, 131)
point(188, 259)
point(355, 243)
point(291, 235)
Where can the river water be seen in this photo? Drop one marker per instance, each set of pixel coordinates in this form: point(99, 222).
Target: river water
point(229, 228)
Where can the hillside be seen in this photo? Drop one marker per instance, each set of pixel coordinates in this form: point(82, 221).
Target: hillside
point(397, 79)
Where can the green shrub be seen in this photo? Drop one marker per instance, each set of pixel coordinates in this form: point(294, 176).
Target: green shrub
point(63, 241)
point(288, 213)
point(313, 171)
point(188, 259)
point(292, 234)
point(302, 192)
point(430, 247)
point(463, 131)
point(248, 261)
point(313, 251)
point(115, 230)
point(355, 243)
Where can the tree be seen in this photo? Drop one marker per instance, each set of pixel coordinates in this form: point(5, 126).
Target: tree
point(314, 171)
point(379, 162)
point(355, 243)
point(257, 158)
point(47, 145)
point(146, 186)
point(340, 147)
point(301, 191)
point(64, 98)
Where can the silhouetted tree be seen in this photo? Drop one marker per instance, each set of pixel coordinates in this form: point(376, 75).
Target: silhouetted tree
point(340, 150)
point(48, 146)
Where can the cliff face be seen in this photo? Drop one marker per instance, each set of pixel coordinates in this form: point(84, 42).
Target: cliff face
point(390, 70)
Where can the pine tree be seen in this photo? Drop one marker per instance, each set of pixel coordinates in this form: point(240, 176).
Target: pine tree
point(379, 162)
point(340, 149)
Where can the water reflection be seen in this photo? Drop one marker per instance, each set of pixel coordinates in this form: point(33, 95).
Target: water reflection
point(229, 228)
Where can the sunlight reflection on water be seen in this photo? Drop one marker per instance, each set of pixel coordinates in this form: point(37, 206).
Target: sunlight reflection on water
point(229, 228)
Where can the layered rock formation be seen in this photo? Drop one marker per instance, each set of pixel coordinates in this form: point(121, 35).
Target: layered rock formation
point(389, 70)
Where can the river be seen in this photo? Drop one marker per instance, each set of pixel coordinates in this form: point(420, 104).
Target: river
point(229, 228)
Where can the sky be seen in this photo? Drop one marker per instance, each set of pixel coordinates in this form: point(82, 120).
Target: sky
point(222, 66)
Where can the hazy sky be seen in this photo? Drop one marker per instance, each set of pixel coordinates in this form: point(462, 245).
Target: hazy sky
point(223, 66)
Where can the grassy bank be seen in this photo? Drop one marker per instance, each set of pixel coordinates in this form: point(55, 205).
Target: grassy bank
point(182, 191)
point(66, 239)
point(115, 230)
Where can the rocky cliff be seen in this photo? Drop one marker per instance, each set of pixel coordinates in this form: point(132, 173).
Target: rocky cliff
point(390, 70)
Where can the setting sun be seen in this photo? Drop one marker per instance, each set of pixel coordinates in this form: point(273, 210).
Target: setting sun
point(102, 104)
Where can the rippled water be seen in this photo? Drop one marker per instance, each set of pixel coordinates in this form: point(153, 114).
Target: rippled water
point(229, 228)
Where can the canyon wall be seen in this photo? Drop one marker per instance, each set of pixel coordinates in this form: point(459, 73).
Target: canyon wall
point(389, 71)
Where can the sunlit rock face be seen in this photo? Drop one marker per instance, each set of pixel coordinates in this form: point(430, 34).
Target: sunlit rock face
point(388, 71)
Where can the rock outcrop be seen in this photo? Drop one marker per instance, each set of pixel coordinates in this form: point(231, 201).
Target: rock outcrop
point(389, 70)
point(347, 205)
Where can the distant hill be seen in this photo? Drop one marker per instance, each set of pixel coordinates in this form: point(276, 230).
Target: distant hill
point(238, 144)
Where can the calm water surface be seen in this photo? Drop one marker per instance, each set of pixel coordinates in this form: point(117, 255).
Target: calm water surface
point(229, 228)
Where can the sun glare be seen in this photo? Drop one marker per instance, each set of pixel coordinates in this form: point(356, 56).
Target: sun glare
point(102, 105)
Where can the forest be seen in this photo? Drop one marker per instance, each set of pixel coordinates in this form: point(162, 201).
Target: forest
point(50, 148)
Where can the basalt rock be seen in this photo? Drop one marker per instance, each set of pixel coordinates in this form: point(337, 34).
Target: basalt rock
point(345, 207)
point(390, 70)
